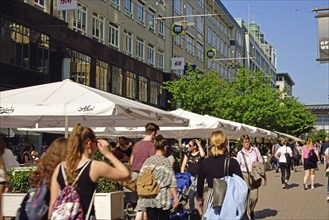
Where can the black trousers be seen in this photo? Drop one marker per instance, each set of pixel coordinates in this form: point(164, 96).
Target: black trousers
point(285, 172)
point(157, 214)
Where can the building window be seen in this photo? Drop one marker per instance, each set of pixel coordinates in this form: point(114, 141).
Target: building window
point(114, 35)
point(199, 25)
point(200, 51)
point(154, 92)
point(160, 59)
point(80, 19)
point(189, 11)
point(151, 19)
point(115, 4)
point(40, 4)
point(98, 27)
point(178, 40)
point(178, 7)
point(80, 67)
point(128, 43)
point(201, 3)
point(24, 47)
point(189, 44)
point(128, 8)
point(150, 54)
point(142, 88)
point(161, 28)
point(62, 15)
point(131, 85)
point(140, 13)
point(116, 80)
point(102, 75)
point(140, 49)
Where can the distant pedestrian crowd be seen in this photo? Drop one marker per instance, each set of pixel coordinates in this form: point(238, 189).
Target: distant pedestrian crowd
point(167, 180)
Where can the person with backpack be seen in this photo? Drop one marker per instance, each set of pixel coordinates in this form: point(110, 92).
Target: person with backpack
point(309, 165)
point(157, 202)
point(142, 150)
point(33, 203)
point(75, 179)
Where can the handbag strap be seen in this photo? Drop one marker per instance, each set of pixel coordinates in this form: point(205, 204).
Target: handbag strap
point(227, 166)
point(245, 162)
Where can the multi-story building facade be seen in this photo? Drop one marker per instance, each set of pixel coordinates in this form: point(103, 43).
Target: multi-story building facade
point(261, 56)
point(322, 116)
point(284, 83)
point(119, 46)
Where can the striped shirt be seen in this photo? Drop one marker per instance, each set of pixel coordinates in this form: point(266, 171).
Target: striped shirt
point(253, 155)
point(165, 176)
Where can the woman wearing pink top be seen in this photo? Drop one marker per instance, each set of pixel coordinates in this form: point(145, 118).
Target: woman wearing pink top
point(309, 166)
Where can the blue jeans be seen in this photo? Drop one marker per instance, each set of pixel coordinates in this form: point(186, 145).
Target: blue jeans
point(276, 164)
point(192, 193)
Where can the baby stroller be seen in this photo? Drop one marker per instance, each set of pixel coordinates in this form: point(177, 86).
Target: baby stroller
point(183, 185)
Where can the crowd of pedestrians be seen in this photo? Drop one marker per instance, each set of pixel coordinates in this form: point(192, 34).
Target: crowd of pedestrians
point(64, 160)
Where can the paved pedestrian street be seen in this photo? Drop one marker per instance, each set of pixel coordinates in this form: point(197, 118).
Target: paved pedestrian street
point(294, 203)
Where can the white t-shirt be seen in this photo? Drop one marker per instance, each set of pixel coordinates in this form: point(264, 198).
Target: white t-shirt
point(281, 151)
point(326, 152)
point(9, 160)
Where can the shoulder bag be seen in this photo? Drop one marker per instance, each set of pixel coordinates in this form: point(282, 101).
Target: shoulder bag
point(220, 186)
point(253, 183)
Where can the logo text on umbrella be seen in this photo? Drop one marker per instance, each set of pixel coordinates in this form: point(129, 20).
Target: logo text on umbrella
point(6, 110)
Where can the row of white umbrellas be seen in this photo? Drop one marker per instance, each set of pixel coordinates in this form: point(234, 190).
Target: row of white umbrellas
point(56, 107)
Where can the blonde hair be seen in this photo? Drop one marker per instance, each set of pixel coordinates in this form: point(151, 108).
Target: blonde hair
point(218, 142)
point(75, 148)
point(309, 142)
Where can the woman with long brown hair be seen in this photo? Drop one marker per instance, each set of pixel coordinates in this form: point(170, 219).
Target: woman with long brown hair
point(82, 145)
point(45, 168)
point(309, 166)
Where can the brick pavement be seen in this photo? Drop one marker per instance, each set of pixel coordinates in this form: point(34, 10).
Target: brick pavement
point(294, 203)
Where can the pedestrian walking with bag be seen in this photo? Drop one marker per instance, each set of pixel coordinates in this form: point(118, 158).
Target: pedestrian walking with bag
point(310, 157)
point(78, 171)
point(284, 155)
point(213, 168)
point(155, 196)
point(249, 158)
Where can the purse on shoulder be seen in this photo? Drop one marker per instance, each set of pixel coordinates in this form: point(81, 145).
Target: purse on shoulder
point(220, 186)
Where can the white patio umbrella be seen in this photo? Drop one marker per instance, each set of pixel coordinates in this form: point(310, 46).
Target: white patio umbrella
point(65, 103)
point(199, 126)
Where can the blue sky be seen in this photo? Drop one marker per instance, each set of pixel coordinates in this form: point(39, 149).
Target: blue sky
point(291, 28)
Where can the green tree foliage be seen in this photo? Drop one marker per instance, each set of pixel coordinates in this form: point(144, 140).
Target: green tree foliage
point(249, 99)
